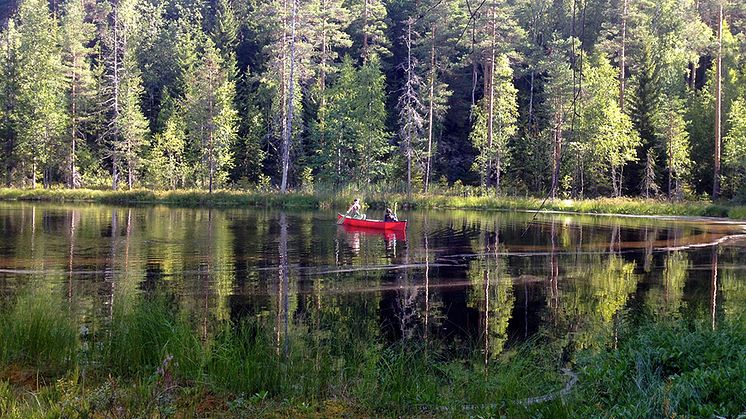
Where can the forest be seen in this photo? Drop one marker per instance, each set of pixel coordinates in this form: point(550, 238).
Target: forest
point(559, 98)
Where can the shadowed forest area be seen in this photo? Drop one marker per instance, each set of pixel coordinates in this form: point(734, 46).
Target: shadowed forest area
point(573, 98)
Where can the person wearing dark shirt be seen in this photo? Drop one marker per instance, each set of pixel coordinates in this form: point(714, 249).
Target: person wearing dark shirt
point(389, 216)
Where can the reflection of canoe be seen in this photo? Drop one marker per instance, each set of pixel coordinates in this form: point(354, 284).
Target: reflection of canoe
point(374, 224)
point(400, 235)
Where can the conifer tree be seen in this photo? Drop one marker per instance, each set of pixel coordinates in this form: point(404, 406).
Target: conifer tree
point(77, 35)
point(493, 155)
point(369, 28)
point(559, 97)
point(370, 112)
point(673, 143)
point(211, 117)
point(126, 126)
point(411, 108)
point(41, 101)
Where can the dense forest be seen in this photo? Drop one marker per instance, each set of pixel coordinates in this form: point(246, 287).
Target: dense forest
point(566, 98)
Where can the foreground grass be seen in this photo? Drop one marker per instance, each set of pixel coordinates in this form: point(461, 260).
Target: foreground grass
point(151, 362)
point(226, 198)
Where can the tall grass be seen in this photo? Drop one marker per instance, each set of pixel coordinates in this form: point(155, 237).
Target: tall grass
point(35, 333)
point(657, 369)
point(141, 337)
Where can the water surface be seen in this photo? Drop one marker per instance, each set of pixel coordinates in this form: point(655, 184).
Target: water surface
point(464, 279)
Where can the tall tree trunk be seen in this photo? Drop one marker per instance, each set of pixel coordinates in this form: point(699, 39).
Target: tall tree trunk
point(670, 161)
point(718, 106)
point(410, 117)
point(622, 56)
point(556, 156)
point(491, 106)
point(290, 102)
point(431, 105)
point(73, 120)
point(115, 102)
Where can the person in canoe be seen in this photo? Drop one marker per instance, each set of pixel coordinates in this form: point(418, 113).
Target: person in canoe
point(354, 211)
point(389, 216)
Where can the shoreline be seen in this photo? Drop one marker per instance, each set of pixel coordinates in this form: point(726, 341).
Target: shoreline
point(624, 207)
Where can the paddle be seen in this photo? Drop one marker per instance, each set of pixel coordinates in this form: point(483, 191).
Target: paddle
point(342, 220)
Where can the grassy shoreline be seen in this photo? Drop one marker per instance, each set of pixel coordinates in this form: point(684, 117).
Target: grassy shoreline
point(151, 362)
point(232, 199)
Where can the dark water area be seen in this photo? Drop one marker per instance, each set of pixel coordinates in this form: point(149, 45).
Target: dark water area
point(489, 280)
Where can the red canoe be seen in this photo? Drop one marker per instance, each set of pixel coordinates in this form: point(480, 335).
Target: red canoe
point(375, 224)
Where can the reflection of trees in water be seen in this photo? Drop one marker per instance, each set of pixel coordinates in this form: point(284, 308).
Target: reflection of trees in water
point(665, 300)
point(733, 291)
point(593, 291)
point(491, 293)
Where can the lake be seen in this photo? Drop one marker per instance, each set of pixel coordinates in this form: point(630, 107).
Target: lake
point(466, 280)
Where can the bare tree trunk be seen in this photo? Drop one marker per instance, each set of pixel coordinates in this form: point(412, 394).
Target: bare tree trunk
point(115, 101)
point(718, 106)
point(408, 145)
point(622, 56)
point(556, 157)
point(491, 110)
point(73, 120)
point(290, 103)
point(430, 111)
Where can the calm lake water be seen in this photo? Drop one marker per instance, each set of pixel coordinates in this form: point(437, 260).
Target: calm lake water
point(479, 279)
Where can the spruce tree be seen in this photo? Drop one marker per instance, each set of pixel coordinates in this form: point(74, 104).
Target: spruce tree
point(211, 117)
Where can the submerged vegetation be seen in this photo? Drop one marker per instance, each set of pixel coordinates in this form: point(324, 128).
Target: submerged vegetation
point(453, 200)
point(146, 360)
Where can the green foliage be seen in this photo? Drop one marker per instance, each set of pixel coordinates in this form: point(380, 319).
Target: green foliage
point(41, 101)
point(211, 118)
point(491, 137)
point(350, 136)
point(734, 150)
point(604, 126)
point(35, 333)
point(87, 89)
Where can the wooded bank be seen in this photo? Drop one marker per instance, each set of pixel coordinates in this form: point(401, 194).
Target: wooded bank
point(572, 99)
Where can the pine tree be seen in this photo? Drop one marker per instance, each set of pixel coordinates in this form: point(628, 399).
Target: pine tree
point(252, 129)
point(411, 108)
point(127, 125)
point(493, 150)
point(211, 117)
point(77, 35)
point(369, 28)
point(649, 186)
point(439, 21)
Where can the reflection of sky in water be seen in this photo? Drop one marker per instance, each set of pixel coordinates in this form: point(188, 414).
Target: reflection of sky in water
point(490, 277)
